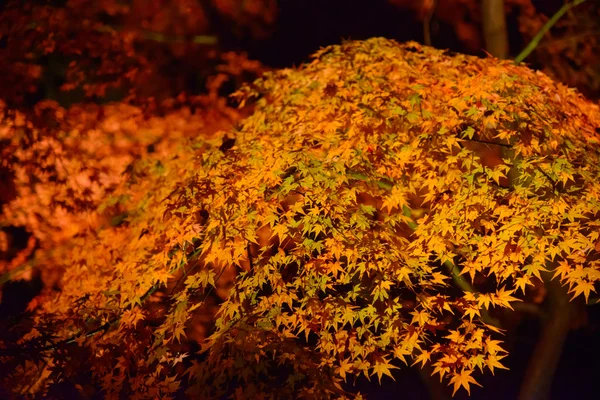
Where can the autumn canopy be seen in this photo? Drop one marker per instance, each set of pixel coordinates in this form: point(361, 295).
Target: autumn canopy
point(376, 209)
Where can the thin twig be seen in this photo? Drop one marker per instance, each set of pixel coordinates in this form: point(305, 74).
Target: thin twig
point(536, 39)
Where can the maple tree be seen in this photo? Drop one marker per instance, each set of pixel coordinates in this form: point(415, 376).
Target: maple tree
point(347, 227)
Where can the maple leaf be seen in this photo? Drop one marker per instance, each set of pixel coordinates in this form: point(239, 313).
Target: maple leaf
point(422, 358)
point(441, 368)
point(179, 358)
point(463, 379)
point(493, 346)
point(382, 367)
point(493, 361)
point(344, 367)
point(583, 286)
point(472, 311)
point(503, 298)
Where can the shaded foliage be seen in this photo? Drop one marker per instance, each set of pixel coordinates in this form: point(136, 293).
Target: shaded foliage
point(112, 50)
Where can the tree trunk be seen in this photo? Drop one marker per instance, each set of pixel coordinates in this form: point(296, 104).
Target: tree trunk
point(546, 355)
point(494, 28)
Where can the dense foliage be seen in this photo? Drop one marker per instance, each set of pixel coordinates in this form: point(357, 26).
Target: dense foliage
point(354, 207)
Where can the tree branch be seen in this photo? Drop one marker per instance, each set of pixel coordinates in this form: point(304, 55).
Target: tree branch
point(536, 39)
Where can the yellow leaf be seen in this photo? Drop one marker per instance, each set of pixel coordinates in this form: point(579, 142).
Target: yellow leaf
point(281, 231)
point(463, 379)
point(492, 347)
point(422, 358)
point(484, 300)
point(471, 312)
point(522, 282)
point(562, 270)
point(585, 287)
point(383, 368)
point(503, 298)
point(441, 368)
point(400, 352)
point(345, 366)
point(421, 317)
point(493, 361)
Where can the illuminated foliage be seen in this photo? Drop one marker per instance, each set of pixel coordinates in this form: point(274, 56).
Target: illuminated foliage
point(365, 229)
